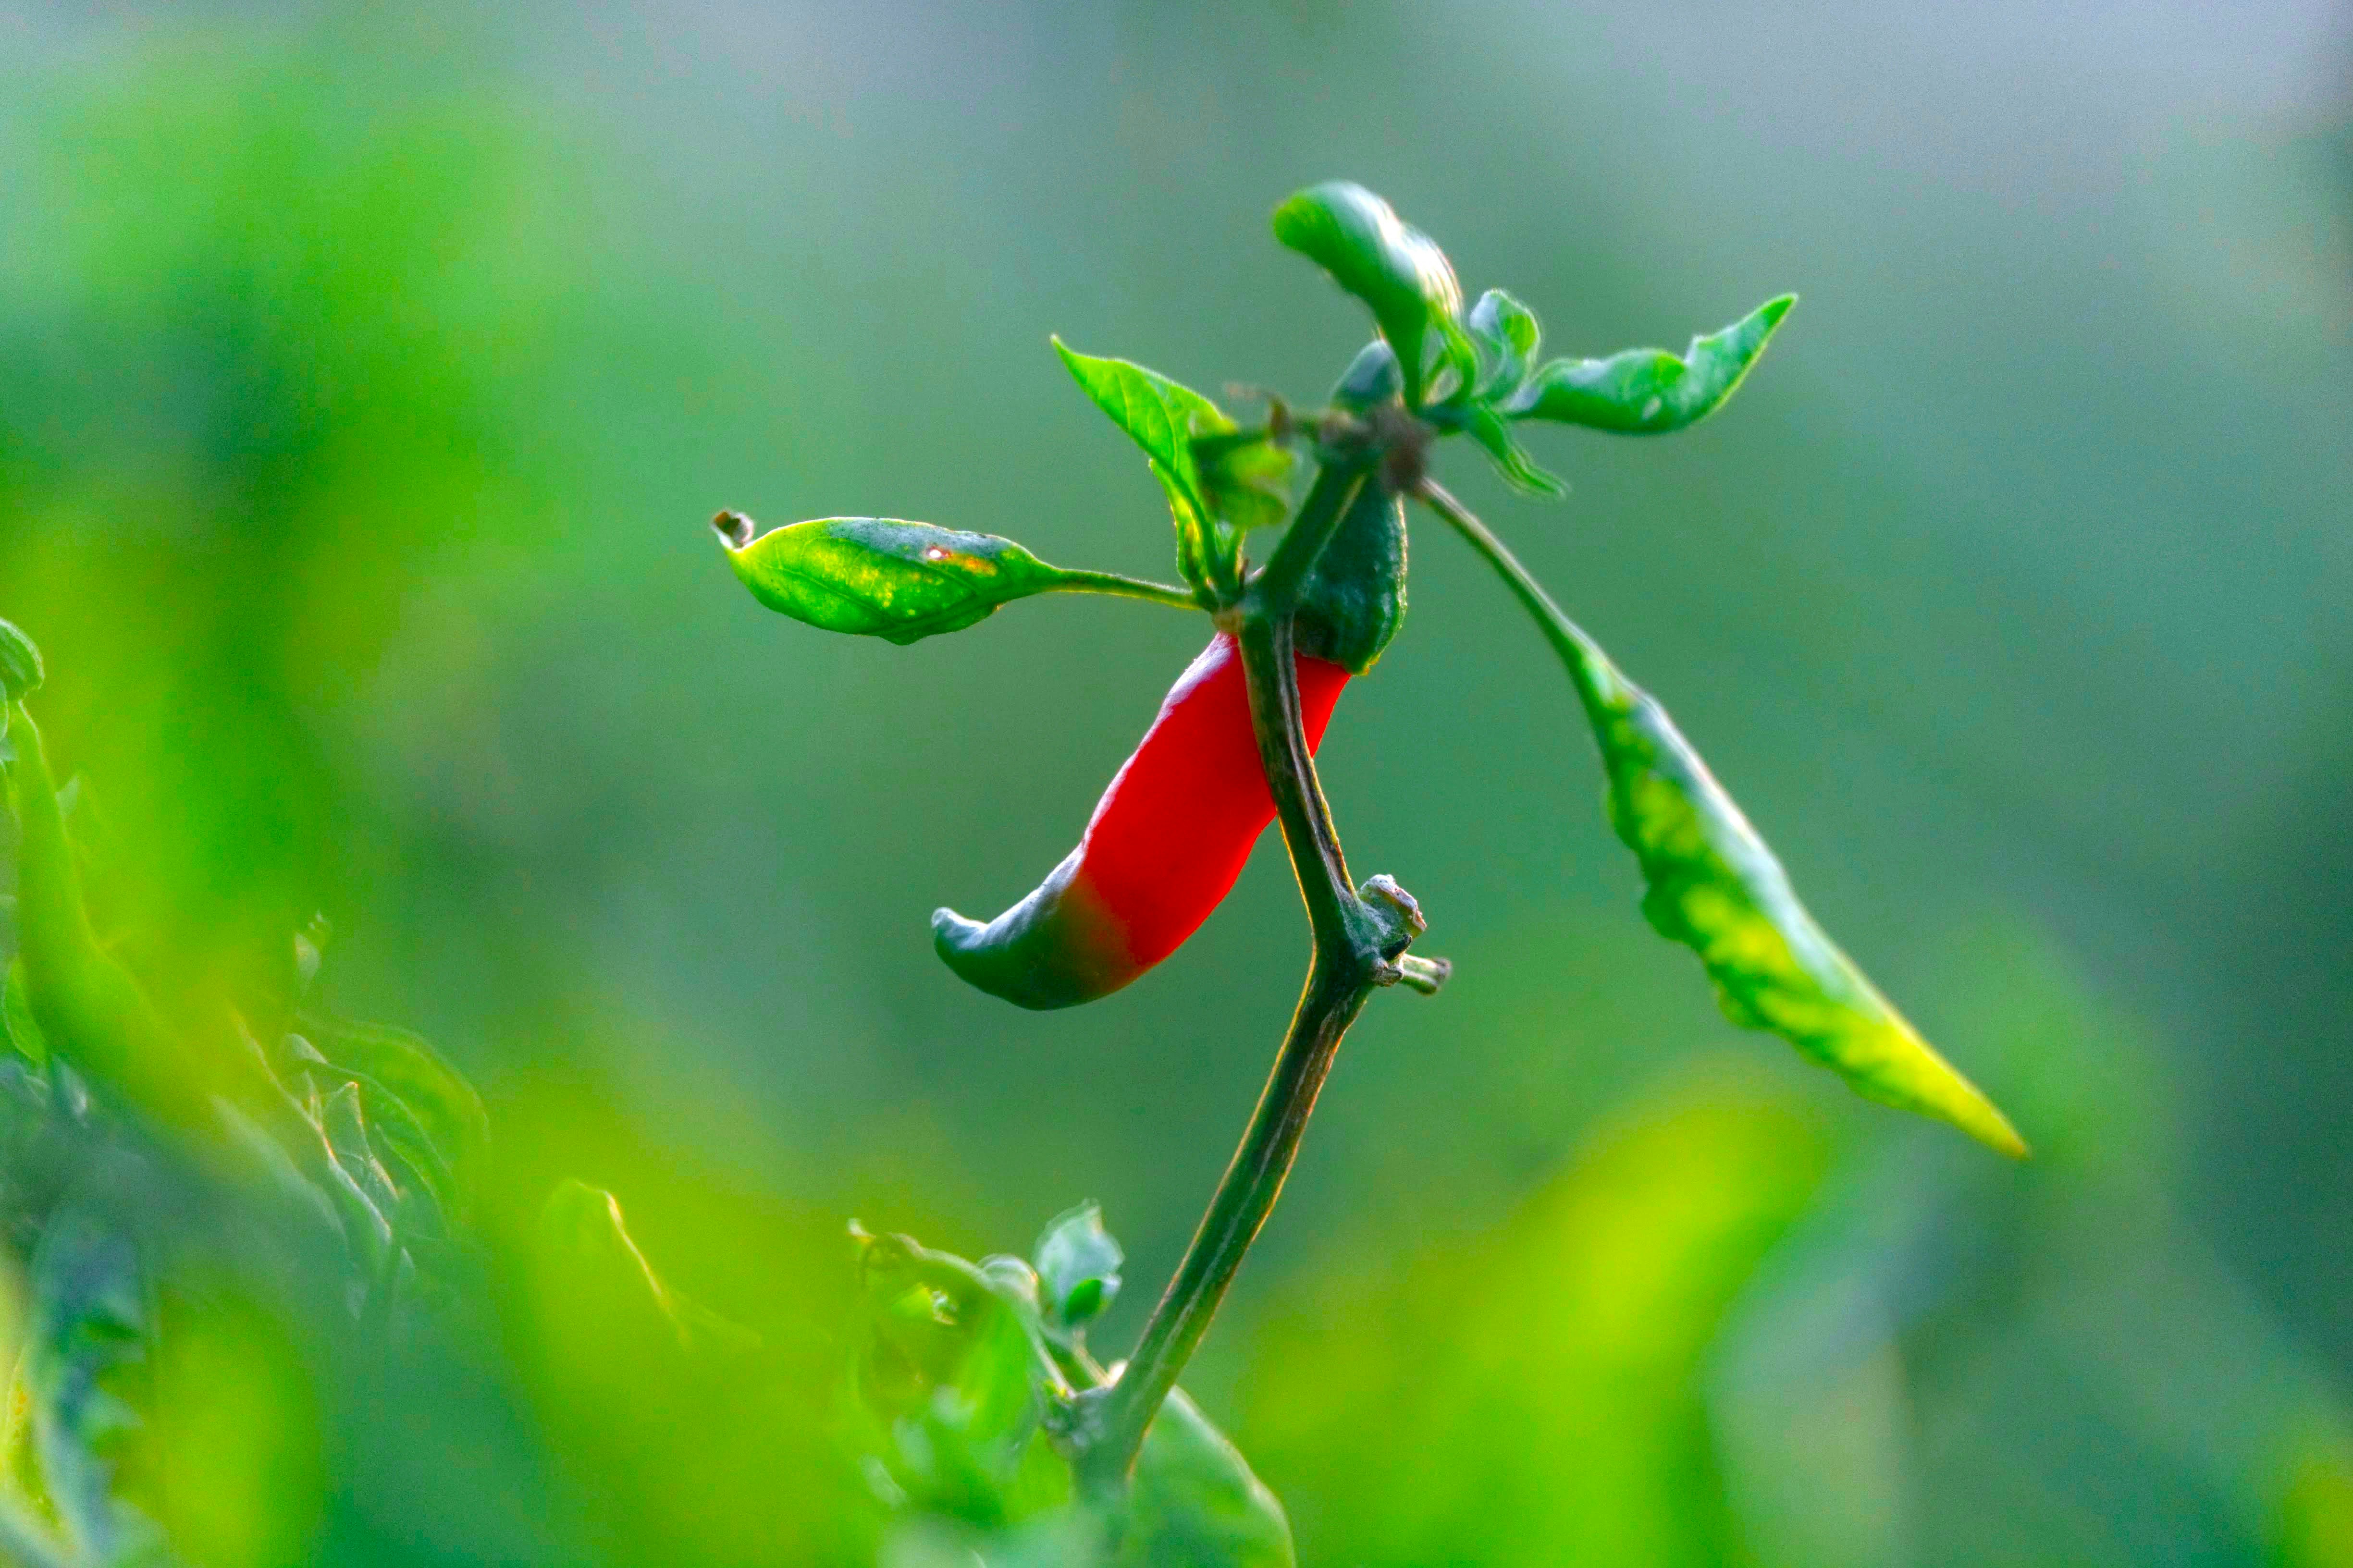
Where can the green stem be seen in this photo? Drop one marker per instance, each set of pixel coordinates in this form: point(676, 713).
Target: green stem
point(1120, 587)
point(1346, 965)
point(1579, 652)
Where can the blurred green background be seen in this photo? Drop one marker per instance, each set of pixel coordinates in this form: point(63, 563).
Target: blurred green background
point(366, 375)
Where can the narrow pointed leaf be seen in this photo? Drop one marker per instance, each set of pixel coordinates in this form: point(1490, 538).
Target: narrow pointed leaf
point(1400, 273)
point(1165, 418)
point(1650, 391)
point(1714, 885)
point(874, 576)
point(1522, 472)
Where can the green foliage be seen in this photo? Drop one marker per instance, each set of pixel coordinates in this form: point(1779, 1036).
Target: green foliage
point(1220, 482)
point(1395, 268)
point(87, 1343)
point(903, 582)
point(20, 666)
point(1078, 1267)
point(973, 1417)
point(970, 1384)
point(1649, 392)
point(1714, 885)
point(1532, 1393)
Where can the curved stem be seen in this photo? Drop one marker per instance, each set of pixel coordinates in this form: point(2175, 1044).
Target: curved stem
point(1347, 964)
point(1578, 651)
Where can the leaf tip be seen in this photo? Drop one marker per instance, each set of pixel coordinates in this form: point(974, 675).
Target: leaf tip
point(1964, 1105)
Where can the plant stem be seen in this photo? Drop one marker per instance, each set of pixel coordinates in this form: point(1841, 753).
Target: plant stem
point(1113, 583)
point(1347, 964)
point(1582, 654)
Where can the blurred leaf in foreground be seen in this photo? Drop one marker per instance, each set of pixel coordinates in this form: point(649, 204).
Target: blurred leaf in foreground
point(1529, 1397)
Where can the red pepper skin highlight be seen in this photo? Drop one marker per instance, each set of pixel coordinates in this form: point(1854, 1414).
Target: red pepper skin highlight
point(1165, 846)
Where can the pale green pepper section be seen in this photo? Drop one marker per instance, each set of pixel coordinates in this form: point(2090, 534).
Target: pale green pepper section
point(903, 582)
point(1713, 885)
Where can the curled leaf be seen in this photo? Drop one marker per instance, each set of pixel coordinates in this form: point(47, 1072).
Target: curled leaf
point(1371, 378)
point(1355, 599)
point(1400, 273)
point(1078, 1264)
point(874, 576)
point(1508, 337)
point(1650, 391)
point(1714, 885)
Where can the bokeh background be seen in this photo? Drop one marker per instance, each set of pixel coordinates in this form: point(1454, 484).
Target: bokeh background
point(367, 374)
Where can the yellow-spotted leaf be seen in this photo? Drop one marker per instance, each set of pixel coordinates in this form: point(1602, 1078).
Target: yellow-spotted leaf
point(877, 576)
point(1713, 885)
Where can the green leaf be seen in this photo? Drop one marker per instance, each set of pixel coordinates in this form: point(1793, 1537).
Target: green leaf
point(16, 1017)
point(586, 1253)
point(403, 1067)
point(1400, 273)
point(1508, 337)
point(874, 576)
point(1195, 1503)
point(1078, 1264)
point(1371, 379)
point(20, 666)
point(952, 1381)
point(1247, 481)
point(1522, 472)
point(1714, 885)
point(1165, 418)
point(1650, 391)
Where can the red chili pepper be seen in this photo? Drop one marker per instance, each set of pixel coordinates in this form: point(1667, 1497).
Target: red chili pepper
point(1164, 847)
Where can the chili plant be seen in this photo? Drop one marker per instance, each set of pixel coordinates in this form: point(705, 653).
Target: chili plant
point(1292, 621)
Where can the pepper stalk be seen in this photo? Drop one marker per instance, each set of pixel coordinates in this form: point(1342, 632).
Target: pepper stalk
point(1359, 938)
